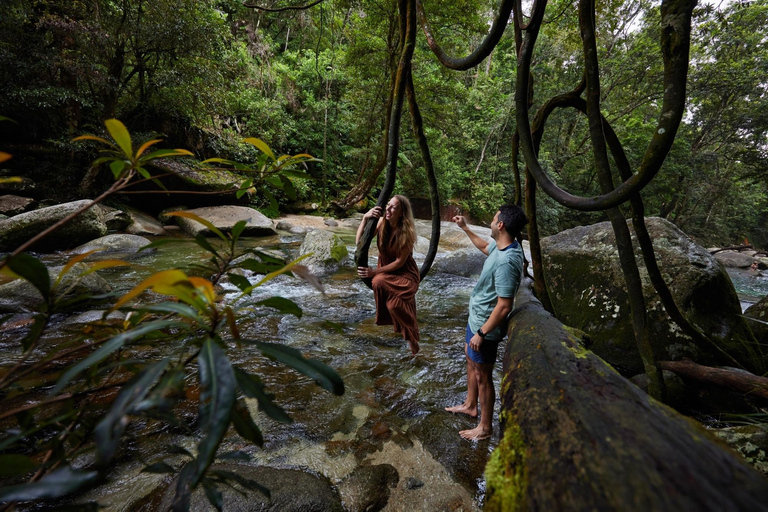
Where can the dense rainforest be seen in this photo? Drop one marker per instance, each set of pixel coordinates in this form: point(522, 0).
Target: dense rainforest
point(205, 74)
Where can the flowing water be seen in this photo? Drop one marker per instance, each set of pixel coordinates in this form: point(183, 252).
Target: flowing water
point(392, 410)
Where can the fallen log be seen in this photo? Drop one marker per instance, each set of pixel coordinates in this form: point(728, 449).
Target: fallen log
point(577, 436)
point(733, 378)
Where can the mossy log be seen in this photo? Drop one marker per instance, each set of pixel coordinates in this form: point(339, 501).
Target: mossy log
point(576, 435)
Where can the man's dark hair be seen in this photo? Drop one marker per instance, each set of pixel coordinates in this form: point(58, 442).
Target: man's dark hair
point(513, 218)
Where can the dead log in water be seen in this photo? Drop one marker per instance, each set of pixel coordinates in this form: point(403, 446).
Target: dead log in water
point(577, 436)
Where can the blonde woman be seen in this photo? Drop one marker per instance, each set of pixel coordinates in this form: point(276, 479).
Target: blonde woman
point(395, 280)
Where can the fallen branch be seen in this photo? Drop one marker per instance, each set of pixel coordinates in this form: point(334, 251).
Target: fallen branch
point(733, 378)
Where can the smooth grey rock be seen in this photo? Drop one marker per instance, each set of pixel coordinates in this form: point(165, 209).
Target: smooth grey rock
point(291, 491)
point(283, 226)
point(108, 246)
point(734, 259)
point(366, 489)
point(328, 251)
point(20, 296)
point(467, 262)
point(13, 205)
point(82, 228)
point(225, 217)
point(330, 222)
point(588, 292)
point(96, 315)
point(143, 224)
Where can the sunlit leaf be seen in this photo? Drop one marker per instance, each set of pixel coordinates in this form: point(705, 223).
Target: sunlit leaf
point(252, 387)
point(33, 270)
point(109, 430)
point(58, 483)
point(146, 145)
point(95, 138)
point(4, 157)
point(205, 287)
point(162, 280)
point(100, 265)
point(325, 376)
point(72, 262)
point(284, 306)
point(197, 218)
point(261, 145)
point(120, 135)
point(244, 425)
point(165, 153)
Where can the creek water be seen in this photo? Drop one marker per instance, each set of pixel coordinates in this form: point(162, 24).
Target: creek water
point(392, 409)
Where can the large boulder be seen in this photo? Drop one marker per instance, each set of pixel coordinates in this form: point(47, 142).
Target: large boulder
point(734, 259)
point(84, 227)
point(759, 325)
point(588, 292)
point(143, 224)
point(115, 246)
point(328, 251)
point(13, 205)
point(467, 262)
point(20, 296)
point(367, 487)
point(290, 489)
point(225, 217)
point(116, 220)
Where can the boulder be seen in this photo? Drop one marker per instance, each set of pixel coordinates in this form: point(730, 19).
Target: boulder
point(83, 228)
point(20, 296)
point(367, 488)
point(759, 311)
point(328, 251)
point(467, 261)
point(143, 224)
point(751, 441)
point(13, 205)
point(116, 220)
point(115, 246)
point(733, 259)
point(588, 292)
point(225, 217)
point(290, 490)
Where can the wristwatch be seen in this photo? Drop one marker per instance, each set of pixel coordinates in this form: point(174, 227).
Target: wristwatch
point(481, 333)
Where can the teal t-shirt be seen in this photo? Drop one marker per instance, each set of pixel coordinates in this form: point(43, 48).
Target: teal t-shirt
point(500, 278)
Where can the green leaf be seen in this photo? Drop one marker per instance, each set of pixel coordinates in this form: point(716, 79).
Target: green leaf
point(263, 147)
point(216, 401)
point(260, 267)
point(252, 387)
point(213, 494)
point(244, 425)
point(165, 153)
point(34, 271)
point(109, 430)
point(288, 187)
point(247, 483)
point(58, 483)
point(284, 306)
point(205, 244)
point(117, 167)
point(120, 135)
point(15, 464)
point(237, 229)
point(158, 467)
point(241, 282)
point(108, 348)
point(325, 376)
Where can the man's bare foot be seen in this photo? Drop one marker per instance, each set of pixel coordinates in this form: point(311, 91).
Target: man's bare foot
point(414, 346)
point(476, 434)
point(463, 409)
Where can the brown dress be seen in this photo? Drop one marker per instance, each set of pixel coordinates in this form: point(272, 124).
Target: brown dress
point(395, 293)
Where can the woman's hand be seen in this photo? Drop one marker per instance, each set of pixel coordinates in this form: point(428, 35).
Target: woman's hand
point(365, 272)
point(374, 212)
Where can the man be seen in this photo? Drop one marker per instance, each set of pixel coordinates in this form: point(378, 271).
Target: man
point(491, 302)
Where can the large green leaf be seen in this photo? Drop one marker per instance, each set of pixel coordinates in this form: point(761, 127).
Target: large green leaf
point(33, 270)
point(15, 464)
point(109, 347)
point(120, 135)
point(59, 483)
point(263, 147)
point(325, 376)
point(252, 387)
point(284, 306)
point(217, 398)
point(214, 496)
point(109, 430)
point(261, 267)
point(244, 424)
point(241, 282)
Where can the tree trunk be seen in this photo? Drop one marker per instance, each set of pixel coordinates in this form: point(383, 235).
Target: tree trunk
point(576, 435)
point(733, 378)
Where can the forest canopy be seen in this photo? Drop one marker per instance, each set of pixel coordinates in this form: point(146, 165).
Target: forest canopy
point(205, 74)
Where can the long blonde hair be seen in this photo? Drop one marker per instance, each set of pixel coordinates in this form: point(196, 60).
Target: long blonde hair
point(406, 229)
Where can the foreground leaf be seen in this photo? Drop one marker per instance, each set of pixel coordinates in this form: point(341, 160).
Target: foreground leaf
point(325, 376)
point(252, 387)
point(284, 306)
point(54, 485)
point(33, 270)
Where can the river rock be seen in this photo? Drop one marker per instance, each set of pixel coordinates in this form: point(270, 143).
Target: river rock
point(588, 292)
point(751, 441)
point(13, 205)
point(328, 251)
point(290, 489)
point(143, 224)
point(467, 261)
point(112, 245)
point(734, 259)
point(20, 228)
point(20, 296)
point(367, 488)
point(225, 217)
point(759, 311)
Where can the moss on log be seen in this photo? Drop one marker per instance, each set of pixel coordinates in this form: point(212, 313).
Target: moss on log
point(576, 435)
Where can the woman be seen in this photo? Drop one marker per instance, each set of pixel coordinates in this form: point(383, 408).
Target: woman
point(395, 280)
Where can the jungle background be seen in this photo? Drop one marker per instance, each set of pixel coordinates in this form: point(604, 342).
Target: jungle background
point(204, 74)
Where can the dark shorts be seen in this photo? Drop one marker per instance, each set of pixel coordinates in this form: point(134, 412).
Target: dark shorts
point(487, 352)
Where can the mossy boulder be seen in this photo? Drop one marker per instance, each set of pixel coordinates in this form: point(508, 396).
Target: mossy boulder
point(588, 292)
point(328, 251)
point(759, 311)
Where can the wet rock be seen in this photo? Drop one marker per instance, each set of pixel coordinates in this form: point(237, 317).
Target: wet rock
point(588, 291)
point(20, 296)
point(413, 483)
point(112, 245)
point(143, 224)
point(367, 489)
point(467, 261)
point(328, 252)
point(290, 490)
point(225, 217)
point(116, 220)
point(96, 315)
point(751, 441)
point(733, 259)
point(13, 205)
point(84, 227)
point(169, 220)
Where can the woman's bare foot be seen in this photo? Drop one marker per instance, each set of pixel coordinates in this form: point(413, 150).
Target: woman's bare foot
point(463, 409)
point(476, 434)
point(414, 346)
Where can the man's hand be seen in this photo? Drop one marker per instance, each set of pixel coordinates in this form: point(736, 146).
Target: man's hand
point(475, 342)
point(460, 221)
